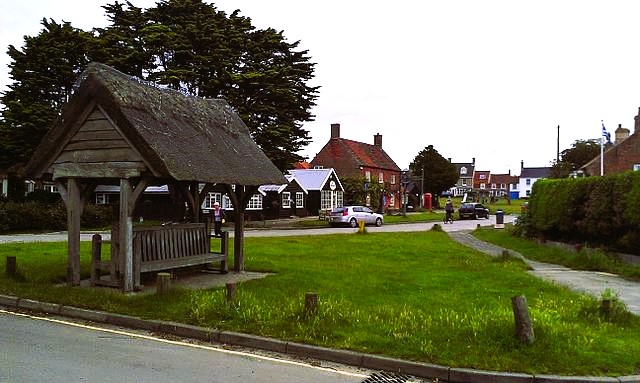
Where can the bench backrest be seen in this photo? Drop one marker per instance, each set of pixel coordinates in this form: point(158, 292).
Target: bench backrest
point(172, 241)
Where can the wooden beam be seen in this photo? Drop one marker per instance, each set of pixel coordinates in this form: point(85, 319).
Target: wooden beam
point(74, 210)
point(137, 192)
point(99, 170)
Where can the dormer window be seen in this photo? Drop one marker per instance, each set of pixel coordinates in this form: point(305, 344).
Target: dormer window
point(463, 170)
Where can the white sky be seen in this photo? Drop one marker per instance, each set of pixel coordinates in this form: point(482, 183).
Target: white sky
point(486, 79)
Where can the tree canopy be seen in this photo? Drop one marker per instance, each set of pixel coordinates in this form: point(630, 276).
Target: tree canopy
point(439, 173)
point(187, 45)
point(580, 152)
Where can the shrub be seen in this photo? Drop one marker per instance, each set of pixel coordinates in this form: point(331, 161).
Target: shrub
point(598, 210)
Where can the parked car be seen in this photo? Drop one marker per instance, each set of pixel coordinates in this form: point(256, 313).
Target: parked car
point(351, 215)
point(473, 210)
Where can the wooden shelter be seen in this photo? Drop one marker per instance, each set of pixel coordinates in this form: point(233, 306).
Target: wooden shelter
point(120, 130)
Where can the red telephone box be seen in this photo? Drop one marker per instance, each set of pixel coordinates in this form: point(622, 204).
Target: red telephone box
point(427, 201)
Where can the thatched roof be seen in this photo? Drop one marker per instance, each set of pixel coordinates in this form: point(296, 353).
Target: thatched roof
point(179, 137)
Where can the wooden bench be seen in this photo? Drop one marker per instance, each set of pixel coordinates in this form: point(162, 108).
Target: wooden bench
point(167, 247)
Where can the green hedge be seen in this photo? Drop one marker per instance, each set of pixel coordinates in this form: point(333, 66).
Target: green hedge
point(38, 216)
point(601, 211)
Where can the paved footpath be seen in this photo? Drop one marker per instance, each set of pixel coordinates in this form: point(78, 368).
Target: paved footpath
point(590, 282)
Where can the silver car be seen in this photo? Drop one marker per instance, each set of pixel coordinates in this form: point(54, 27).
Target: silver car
point(351, 215)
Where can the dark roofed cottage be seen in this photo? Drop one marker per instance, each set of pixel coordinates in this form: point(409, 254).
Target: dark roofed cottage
point(117, 129)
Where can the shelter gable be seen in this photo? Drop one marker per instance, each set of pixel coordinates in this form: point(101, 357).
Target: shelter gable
point(97, 148)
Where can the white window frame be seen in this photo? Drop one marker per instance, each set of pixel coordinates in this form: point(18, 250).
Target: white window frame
point(367, 176)
point(393, 179)
point(299, 199)
point(102, 199)
point(381, 178)
point(482, 185)
point(255, 203)
point(463, 170)
point(528, 181)
point(286, 199)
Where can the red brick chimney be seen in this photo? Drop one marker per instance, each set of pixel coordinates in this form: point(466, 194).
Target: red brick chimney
point(335, 130)
point(377, 140)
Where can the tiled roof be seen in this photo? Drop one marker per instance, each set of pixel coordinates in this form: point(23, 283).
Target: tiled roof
point(535, 172)
point(503, 179)
point(346, 157)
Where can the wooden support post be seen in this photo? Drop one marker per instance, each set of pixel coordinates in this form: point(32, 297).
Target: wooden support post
point(310, 304)
point(524, 331)
point(96, 258)
point(231, 291)
point(224, 249)
point(74, 210)
point(11, 265)
point(126, 235)
point(163, 283)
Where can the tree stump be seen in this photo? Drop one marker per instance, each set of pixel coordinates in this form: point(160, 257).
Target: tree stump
point(11, 265)
point(231, 291)
point(524, 331)
point(163, 283)
point(310, 304)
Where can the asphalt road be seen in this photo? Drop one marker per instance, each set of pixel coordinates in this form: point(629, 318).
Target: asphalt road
point(455, 226)
point(38, 349)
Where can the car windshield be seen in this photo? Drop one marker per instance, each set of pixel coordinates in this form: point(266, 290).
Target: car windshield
point(467, 206)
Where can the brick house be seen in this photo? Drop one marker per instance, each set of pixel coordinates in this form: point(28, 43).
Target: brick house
point(481, 179)
point(500, 184)
point(622, 156)
point(354, 159)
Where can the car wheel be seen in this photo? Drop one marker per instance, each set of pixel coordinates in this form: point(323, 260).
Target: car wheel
point(378, 222)
point(353, 222)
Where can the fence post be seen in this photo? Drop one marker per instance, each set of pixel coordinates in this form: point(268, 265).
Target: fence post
point(163, 283)
point(524, 331)
point(11, 265)
point(310, 304)
point(231, 291)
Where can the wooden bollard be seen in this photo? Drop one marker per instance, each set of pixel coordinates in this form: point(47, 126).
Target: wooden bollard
point(163, 283)
point(11, 265)
point(96, 258)
point(605, 307)
point(524, 331)
point(310, 304)
point(231, 291)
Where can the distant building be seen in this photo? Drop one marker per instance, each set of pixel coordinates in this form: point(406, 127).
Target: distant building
point(465, 171)
point(529, 176)
point(353, 159)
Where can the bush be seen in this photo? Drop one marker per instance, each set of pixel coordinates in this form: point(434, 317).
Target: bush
point(597, 210)
point(35, 216)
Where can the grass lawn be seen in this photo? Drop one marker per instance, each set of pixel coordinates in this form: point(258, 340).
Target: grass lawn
point(592, 260)
point(417, 296)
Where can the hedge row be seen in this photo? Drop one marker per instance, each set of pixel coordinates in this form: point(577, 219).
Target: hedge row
point(37, 216)
point(601, 211)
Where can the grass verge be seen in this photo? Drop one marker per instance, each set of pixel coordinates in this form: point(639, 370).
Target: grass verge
point(590, 260)
point(417, 296)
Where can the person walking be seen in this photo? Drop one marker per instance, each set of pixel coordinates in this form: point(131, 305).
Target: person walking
point(218, 219)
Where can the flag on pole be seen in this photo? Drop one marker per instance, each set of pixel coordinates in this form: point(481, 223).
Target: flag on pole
point(606, 134)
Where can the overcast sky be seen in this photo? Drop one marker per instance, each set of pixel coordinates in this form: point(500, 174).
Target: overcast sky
point(489, 80)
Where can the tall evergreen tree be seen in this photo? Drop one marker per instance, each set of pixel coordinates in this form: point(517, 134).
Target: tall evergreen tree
point(185, 44)
point(43, 74)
